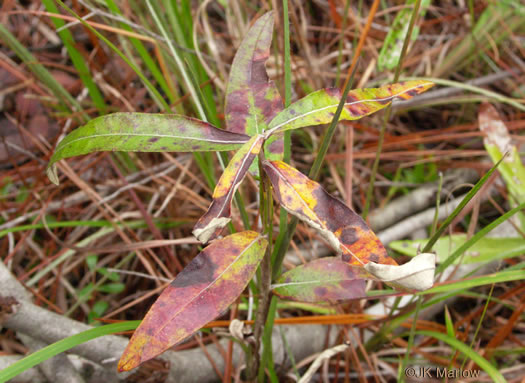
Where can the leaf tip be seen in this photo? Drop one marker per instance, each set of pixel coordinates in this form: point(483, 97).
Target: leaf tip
point(52, 174)
point(204, 234)
point(127, 362)
point(417, 274)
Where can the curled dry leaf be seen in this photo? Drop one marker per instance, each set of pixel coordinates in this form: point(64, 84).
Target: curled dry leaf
point(141, 132)
point(201, 292)
point(251, 99)
point(344, 230)
point(322, 280)
point(319, 107)
point(498, 143)
point(211, 224)
point(417, 274)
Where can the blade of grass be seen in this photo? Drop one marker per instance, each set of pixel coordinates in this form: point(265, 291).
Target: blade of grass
point(178, 60)
point(454, 214)
point(480, 234)
point(267, 355)
point(478, 327)
point(144, 55)
point(153, 91)
point(460, 346)
point(410, 343)
point(341, 42)
point(41, 72)
point(102, 223)
point(284, 238)
point(499, 277)
point(79, 62)
point(63, 345)
point(388, 111)
point(472, 88)
point(267, 358)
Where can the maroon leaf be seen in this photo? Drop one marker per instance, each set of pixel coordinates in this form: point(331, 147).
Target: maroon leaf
point(201, 292)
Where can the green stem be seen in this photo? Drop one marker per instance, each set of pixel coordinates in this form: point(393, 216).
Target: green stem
point(283, 241)
point(265, 274)
point(388, 111)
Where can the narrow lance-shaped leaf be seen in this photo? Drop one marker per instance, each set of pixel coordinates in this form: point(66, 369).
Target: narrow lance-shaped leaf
point(323, 280)
point(201, 292)
point(211, 224)
point(251, 99)
point(393, 44)
point(485, 250)
point(319, 107)
point(141, 132)
point(344, 230)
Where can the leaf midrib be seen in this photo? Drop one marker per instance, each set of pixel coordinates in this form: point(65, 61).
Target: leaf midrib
point(204, 290)
point(272, 130)
point(314, 213)
point(148, 135)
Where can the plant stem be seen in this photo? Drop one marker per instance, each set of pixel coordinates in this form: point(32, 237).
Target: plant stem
point(388, 111)
point(281, 245)
point(264, 282)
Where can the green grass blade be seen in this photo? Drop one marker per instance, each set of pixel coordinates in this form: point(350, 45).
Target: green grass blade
point(283, 239)
point(492, 371)
point(146, 58)
point(499, 277)
point(391, 50)
point(63, 345)
point(178, 60)
point(40, 71)
point(153, 91)
point(480, 234)
point(77, 59)
point(471, 88)
point(458, 209)
point(102, 223)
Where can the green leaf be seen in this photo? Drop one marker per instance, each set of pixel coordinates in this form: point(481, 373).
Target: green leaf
point(98, 309)
point(141, 132)
point(85, 293)
point(211, 224)
point(201, 292)
point(112, 288)
point(111, 276)
point(391, 50)
point(449, 324)
point(91, 261)
point(323, 280)
point(484, 250)
point(319, 107)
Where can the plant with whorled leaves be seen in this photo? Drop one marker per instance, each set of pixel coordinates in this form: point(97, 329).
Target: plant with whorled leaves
point(255, 120)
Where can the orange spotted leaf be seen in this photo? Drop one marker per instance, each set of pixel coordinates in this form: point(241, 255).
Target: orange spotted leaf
point(319, 107)
point(344, 230)
point(211, 224)
point(200, 293)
